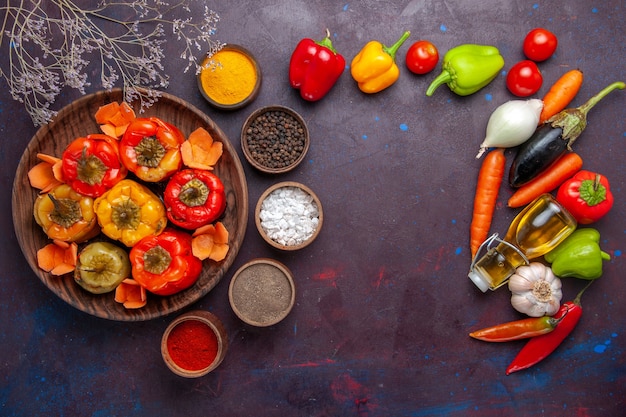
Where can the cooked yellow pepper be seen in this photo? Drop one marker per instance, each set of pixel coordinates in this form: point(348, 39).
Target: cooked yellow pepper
point(66, 215)
point(374, 68)
point(129, 212)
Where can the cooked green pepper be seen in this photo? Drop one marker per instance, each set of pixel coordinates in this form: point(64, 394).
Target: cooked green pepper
point(579, 255)
point(468, 68)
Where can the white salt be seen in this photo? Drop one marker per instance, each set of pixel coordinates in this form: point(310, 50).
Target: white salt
point(289, 216)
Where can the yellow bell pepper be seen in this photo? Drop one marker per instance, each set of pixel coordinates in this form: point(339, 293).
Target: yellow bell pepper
point(66, 215)
point(129, 212)
point(374, 68)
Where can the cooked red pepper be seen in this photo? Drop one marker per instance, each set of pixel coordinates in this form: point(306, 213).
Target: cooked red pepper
point(518, 329)
point(587, 196)
point(538, 348)
point(150, 148)
point(164, 264)
point(193, 198)
point(315, 67)
point(91, 165)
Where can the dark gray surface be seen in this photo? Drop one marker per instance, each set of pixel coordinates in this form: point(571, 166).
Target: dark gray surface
point(383, 303)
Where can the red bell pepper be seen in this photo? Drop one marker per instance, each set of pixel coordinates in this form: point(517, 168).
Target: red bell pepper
point(587, 196)
point(150, 149)
point(91, 165)
point(315, 67)
point(164, 264)
point(193, 198)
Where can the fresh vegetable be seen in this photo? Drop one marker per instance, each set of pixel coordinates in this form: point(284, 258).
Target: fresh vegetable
point(130, 294)
point(47, 174)
point(374, 68)
point(101, 267)
point(548, 180)
point(511, 124)
point(200, 150)
point(579, 255)
point(516, 330)
point(210, 241)
point(468, 68)
point(66, 215)
point(130, 211)
point(487, 189)
point(58, 257)
point(539, 44)
point(194, 198)
point(561, 94)
point(91, 165)
point(150, 149)
point(540, 347)
point(165, 264)
point(315, 67)
point(587, 196)
point(422, 57)
point(524, 79)
point(114, 118)
point(535, 290)
point(552, 139)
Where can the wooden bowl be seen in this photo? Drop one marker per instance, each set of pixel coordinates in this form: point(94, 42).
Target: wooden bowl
point(285, 245)
point(254, 92)
point(262, 292)
point(261, 158)
point(172, 352)
point(77, 119)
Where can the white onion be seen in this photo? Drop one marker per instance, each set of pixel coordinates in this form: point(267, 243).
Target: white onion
point(511, 124)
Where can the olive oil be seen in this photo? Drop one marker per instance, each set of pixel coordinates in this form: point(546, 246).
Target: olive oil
point(535, 231)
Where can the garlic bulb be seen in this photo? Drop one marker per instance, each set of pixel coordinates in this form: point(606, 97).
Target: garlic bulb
point(511, 124)
point(536, 291)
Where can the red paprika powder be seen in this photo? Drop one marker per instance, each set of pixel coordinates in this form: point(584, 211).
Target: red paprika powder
point(192, 345)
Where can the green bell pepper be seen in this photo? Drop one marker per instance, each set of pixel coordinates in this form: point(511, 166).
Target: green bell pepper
point(468, 68)
point(578, 256)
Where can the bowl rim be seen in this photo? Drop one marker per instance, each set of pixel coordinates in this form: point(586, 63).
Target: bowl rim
point(257, 86)
point(215, 324)
point(257, 219)
point(244, 142)
point(265, 261)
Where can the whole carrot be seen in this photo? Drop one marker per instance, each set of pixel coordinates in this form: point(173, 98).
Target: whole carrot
point(561, 94)
point(550, 179)
point(516, 330)
point(487, 188)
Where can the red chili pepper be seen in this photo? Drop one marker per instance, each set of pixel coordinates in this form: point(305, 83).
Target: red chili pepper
point(315, 67)
point(164, 264)
point(540, 347)
point(150, 148)
point(193, 198)
point(587, 196)
point(518, 329)
point(91, 165)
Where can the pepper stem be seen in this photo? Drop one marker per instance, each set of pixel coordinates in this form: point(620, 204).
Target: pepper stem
point(580, 294)
point(391, 50)
point(574, 121)
point(327, 42)
point(443, 78)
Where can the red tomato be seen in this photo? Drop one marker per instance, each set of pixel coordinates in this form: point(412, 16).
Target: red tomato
point(422, 57)
point(524, 79)
point(539, 44)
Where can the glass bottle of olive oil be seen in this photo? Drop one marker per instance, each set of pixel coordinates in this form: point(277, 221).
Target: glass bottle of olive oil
point(535, 231)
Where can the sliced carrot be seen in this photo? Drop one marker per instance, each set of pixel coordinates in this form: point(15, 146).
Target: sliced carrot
point(210, 241)
point(58, 258)
point(547, 181)
point(131, 294)
point(47, 174)
point(200, 150)
point(127, 112)
point(561, 94)
point(487, 189)
point(105, 113)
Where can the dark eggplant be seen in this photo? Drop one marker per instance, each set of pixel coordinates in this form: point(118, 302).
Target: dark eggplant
point(552, 139)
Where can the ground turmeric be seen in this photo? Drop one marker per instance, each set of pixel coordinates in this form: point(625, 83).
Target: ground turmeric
point(229, 76)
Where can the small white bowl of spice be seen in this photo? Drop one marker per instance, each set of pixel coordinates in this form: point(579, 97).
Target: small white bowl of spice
point(289, 216)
